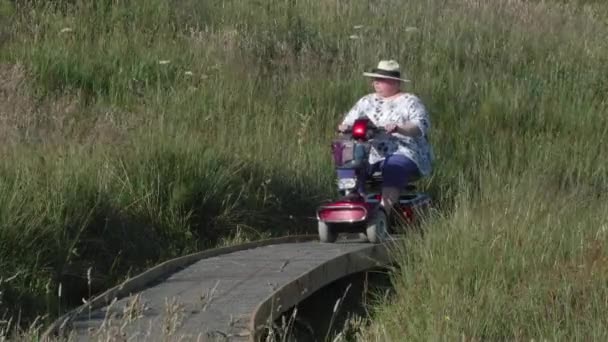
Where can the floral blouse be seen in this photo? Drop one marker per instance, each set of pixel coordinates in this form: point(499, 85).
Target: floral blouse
point(399, 110)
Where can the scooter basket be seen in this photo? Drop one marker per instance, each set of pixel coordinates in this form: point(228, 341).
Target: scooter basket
point(349, 153)
point(343, 151)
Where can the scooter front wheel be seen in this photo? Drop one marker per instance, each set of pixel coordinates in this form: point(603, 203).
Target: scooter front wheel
point(326, 233)
point(377, 228)
point(363, 237)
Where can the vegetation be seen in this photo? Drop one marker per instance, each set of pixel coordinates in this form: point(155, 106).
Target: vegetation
point(135, 131)
point(520, 123)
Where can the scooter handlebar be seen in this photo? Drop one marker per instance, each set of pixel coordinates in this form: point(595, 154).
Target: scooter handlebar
point(374, 130)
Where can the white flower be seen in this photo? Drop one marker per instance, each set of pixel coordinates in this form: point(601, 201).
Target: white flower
point(66, 30)
point(358, 27)
point(188, 73)
point(354, 36)
point(163, 62)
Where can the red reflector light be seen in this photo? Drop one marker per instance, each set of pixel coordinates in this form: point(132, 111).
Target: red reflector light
point(342, 214)
point(408, 214)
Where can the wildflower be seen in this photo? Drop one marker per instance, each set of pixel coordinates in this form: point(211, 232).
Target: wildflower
point(188, 73)
point(89, 276)
point(66, 30)
point(163, 62)
point(354, 36)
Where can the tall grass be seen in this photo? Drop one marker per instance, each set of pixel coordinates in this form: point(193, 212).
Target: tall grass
point(135, 131)
point(527, 264)
point(140, 139)
point(522, 253)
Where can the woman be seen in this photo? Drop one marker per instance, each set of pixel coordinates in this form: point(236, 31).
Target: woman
point(405, 155)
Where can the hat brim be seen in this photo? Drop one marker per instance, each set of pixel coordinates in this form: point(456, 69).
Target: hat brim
point(374, 75)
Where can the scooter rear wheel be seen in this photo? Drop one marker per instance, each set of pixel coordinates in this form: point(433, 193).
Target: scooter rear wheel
point(326, 233)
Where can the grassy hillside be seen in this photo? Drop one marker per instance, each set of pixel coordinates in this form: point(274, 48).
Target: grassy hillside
point(523, 253)
point(135, 131)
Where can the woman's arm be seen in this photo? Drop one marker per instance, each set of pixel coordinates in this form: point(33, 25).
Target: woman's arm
point(410, 129)
point(417, 121)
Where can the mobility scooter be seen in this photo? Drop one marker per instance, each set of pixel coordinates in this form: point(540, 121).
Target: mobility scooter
point(358, 209)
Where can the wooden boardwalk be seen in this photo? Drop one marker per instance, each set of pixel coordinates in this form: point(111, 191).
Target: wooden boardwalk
point(226, 297)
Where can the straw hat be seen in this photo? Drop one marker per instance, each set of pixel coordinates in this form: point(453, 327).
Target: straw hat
point(386, 69)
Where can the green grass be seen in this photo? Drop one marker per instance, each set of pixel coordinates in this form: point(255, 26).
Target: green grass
point(136, 131)
point(522, 254)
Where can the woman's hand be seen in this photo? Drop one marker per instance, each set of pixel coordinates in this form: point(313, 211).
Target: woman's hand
point(408, 129)
point(391, 128)
point(342, 128)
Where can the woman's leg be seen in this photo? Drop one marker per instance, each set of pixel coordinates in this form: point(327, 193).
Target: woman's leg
point(396, 171)
point(390, 196)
